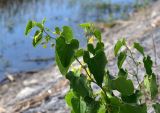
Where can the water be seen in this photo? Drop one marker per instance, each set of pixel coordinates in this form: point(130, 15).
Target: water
point(17, 52)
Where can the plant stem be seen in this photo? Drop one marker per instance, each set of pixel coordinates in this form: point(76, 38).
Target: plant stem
point(154, 48)
point(48, 34)
point(136, 64)
point(90, 75)
point(83, 67)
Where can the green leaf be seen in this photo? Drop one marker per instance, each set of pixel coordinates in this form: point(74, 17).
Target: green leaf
point(57, 30)
point(44, 46)
point(148, 64)
point(79, 85)
point(52, 45)
point(131, 98)
point(86, 56)
point(69, 97)
point(90, 48)
point(29, 26)
point(62, 69)
point(102, 109)
point(121, 58)
point(65, 53)
point(97, 34)
point(115, 101)
point(115, 104)
point(47, 38)
point(124, 86)
point(39, 25)
point(128, 108)
point(85, 25)
point(124, 41)
point(151, 85)
point(86, 105)
point(117, 47)
point(99, 46)
point(67, 34)
point(123, 73)
point(157, 107)
point(92, 105)
point(100, 61)
point(37, 38)
point(79, 53)
point(43, 21)
point(79, 106)
point(139, 48)
point(108, 81)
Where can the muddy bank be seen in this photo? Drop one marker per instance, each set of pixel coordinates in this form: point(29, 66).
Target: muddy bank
point(44, 91)
point(34, 92)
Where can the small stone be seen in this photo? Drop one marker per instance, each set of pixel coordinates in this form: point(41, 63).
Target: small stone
point(10, 78)
point(49, 91)
point(154, 13)
point(26, 92)
point(30, 82)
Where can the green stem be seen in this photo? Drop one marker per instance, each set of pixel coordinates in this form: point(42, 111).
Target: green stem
point(83, 67)
point(90, 75)
point(48, 34)
point(136, 64)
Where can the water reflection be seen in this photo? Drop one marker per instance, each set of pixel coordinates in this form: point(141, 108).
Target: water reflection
point(16, 52)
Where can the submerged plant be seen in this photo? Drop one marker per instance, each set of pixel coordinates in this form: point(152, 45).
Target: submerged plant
point(82, 96)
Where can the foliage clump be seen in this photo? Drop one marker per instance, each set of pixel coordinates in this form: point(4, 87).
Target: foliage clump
point(82, 97)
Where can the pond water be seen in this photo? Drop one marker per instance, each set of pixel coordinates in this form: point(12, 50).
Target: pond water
point(17, 53)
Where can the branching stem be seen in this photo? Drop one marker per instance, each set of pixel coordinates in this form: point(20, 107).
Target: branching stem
point(136, 64)
point(90, 75)
point(49, 34)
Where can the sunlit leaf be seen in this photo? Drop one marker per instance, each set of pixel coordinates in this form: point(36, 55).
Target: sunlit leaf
point(139, 48)
point(29, 27)
point(38, 24)
point(65, 53)
point(117, 47)
point(57, 31)
point(44, 46)
point(97, 34)
point(121, 58)
point(43, 21)
point(67, 33)
point(69, 97)
point(151, 85)
point(79, 106)
point(84, 25)
point(79, 53)
point(37, 38)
